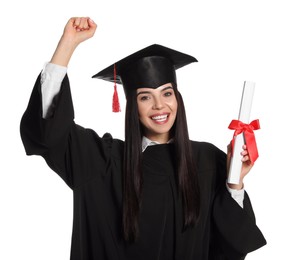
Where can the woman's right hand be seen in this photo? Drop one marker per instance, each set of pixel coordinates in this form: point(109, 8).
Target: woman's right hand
point(77, 30)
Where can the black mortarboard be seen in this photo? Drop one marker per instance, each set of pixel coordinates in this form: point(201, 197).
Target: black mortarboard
point(150, 67)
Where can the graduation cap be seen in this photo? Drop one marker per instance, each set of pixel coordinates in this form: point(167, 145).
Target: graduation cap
point(150, 67)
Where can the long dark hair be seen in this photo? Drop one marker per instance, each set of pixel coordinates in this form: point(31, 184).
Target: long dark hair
point(132, 170)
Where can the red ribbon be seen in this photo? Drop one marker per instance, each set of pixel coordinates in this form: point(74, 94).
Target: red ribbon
point(249, 138)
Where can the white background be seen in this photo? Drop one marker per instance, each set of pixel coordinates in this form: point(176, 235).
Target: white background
point(234, 41)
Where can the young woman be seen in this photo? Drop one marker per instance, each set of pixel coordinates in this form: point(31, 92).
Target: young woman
point(156, 195)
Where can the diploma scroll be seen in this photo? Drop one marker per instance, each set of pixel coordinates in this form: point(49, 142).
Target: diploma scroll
point(244, 116)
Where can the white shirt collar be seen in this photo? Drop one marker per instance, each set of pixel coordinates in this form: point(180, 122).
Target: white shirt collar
point(147, 142)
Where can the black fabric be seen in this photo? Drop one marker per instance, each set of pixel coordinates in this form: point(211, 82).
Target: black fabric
point(148, 72)
point(92, 167)
point(150, 67)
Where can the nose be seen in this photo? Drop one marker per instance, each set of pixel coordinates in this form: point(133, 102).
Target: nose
point(158, 103)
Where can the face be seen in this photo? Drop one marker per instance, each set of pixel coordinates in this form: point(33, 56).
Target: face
point(157, 110)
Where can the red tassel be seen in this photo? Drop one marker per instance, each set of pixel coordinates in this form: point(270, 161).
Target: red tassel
point(115, 101)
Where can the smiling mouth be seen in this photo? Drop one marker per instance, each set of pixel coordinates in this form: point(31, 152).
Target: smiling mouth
point(160, 118)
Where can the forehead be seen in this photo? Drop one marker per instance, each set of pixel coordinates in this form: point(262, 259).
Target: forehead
point(160, 88)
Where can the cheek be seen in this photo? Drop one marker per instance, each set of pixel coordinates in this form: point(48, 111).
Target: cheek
point(173, 104)
point(143, 108)
point(142, 112)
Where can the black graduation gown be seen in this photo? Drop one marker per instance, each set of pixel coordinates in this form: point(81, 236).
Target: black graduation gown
point(92, 167)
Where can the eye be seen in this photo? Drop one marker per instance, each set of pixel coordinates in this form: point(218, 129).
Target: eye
point(168, 93)
point(144, 97)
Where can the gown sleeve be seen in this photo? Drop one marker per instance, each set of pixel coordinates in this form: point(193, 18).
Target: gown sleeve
point(235, 233)
point(70, 150)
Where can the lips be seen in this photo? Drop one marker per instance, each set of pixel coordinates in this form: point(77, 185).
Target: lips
point(161, 118)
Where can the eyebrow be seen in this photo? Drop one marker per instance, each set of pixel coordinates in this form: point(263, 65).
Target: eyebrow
point(148, 92)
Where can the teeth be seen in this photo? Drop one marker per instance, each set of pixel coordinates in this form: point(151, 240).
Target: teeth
point(160, 118)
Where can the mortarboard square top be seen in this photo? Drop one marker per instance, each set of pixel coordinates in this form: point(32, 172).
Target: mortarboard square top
point(150, 67)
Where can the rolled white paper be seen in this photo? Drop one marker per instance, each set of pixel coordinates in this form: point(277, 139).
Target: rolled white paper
point(244, 116)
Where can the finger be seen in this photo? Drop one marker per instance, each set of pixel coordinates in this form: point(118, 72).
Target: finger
point(246, 159)
point(91, 23)
point(244, 152)
point(71, 21)
point(76, 21)
point(91, 27)
point(83, 24)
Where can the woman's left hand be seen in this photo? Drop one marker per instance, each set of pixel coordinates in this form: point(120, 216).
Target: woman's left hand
point(246, 166)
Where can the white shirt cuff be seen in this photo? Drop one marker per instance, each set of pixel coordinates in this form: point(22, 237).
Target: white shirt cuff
point(51, 80)
point(237, 195)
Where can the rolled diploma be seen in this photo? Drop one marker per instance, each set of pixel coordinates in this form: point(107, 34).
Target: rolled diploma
point(244, 116)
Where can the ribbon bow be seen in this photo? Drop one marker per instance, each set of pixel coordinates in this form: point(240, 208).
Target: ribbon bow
point(249, 138)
